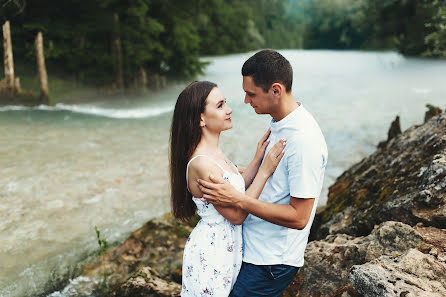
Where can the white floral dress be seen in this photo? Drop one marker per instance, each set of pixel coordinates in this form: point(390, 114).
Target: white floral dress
point(213, 253)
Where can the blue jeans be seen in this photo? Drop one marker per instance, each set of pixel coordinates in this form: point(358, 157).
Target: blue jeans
point(263, 280)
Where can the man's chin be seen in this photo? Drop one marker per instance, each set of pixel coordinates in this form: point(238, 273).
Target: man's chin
point(257, 111)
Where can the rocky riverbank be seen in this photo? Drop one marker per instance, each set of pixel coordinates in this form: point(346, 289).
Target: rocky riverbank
point(382, 232)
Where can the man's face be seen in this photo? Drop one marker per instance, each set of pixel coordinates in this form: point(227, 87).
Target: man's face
point(254, 95)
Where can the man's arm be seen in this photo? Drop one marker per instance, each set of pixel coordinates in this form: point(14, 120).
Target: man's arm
point(237, 214)
point(294, 215)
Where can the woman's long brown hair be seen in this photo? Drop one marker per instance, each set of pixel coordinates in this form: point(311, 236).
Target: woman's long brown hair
point(185, 135)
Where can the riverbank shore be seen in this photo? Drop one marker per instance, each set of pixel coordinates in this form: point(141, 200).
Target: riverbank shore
point(70, 91)
point(382, 232)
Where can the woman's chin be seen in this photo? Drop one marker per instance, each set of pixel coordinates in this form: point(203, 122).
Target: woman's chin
point(229, 127)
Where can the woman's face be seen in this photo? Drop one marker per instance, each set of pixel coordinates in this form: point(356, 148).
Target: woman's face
point(217, 114)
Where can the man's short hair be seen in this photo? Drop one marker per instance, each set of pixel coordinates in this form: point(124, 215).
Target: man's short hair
point(267, 67)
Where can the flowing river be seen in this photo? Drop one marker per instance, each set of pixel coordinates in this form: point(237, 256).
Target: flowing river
point(69, 168)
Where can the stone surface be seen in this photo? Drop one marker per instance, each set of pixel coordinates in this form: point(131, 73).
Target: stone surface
point(146, 283)
point(327, 262)
point(394, 130)
point(158, 244)
point(431, 112)
point(411, 274)
point(405, 180)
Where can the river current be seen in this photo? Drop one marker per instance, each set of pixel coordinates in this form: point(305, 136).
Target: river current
point(68, 168)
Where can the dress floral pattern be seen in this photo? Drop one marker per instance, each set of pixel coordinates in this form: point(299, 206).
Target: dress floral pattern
point(213, 253)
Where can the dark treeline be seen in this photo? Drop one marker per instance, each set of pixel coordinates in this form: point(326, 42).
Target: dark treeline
point(413, 27)
point(114, 41)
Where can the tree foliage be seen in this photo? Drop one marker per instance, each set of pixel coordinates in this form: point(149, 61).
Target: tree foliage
point(413, 27)
point(161, 36)
point(436, 40)
point(168, 36)
point(336, 24)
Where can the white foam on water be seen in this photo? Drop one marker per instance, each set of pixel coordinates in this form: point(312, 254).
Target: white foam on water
point(135, 113)
point(421, 90)
point(80, 285)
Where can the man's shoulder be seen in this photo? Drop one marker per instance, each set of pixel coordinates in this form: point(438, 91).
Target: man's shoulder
point(305, 142)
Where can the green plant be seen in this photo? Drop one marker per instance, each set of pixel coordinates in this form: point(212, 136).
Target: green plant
point(432, 107)
point(103, 245)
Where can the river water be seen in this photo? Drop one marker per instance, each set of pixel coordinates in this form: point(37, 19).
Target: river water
point(69, 168)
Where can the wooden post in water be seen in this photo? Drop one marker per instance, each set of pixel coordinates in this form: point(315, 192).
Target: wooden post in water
point(8, 61)
point(117, 53)
point(143, 74)
point(44, 97)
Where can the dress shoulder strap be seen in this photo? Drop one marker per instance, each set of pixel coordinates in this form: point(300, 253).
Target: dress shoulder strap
point(188, 163)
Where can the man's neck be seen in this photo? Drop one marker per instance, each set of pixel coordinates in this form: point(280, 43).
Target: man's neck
point(286, 106)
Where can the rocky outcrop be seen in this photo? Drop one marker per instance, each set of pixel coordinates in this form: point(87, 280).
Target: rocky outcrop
point(410, 274)
point(404, 181)
point(394, 130)
point(154, 251)
point(431, 112)
point(331, 262)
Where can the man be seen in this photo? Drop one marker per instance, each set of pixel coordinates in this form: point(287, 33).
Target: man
point(275, 234)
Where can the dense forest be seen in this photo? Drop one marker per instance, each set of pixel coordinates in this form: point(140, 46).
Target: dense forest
point(108, 42)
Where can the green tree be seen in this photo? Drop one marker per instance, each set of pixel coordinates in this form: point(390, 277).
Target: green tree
point(399, 24)
point(336, 24)
point(436, 41)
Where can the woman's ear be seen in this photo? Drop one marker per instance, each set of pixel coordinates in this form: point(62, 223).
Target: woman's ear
point(202, 123)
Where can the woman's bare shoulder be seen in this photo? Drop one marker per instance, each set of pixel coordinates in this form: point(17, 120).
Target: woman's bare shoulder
point(201, 166)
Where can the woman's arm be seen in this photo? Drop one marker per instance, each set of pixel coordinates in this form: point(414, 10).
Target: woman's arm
point(234, 214)
point(201, 168)
point(250, 171)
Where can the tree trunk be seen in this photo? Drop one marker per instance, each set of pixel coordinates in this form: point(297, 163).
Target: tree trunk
point(8, 61)
point(42, 69)
point(117, 53)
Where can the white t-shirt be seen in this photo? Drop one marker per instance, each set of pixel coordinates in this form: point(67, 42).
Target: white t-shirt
point(299, 174)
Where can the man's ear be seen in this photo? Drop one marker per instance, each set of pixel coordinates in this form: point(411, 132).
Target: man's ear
point(278, 89)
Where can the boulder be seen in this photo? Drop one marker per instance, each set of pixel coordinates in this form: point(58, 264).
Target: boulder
point(328, 261)
point(147, 283)
point(405, 180)
point(411, 274)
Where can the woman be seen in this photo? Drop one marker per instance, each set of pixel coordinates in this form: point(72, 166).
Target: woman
point(213, 252)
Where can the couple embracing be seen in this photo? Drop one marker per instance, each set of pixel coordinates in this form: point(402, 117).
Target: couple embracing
point(255, 221)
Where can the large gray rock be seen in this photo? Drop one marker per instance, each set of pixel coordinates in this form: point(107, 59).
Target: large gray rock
point(412, 274)
point(405, 180)
point(327, 262)
point(147, 283)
